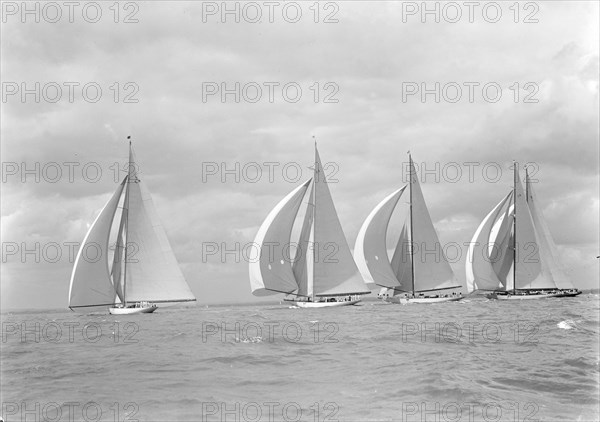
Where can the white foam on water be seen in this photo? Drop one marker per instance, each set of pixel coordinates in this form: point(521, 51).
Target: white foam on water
point(566, 325)
point(250, 340)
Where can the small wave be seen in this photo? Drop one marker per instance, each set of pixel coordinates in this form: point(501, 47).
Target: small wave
point(249, 339)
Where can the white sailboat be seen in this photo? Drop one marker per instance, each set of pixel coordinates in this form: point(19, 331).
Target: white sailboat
point(144, 269)
point(409, 277)
point(323, 272)
point(512, 254)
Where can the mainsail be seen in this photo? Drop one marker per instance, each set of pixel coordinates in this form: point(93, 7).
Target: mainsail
point(152, 272)
point(323, 265)
point(335, 272)
point(425, 270)
point(548, 250)
point(528, 269)
point(431, 268)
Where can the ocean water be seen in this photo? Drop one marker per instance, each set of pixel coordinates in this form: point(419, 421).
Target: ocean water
point(473, 360)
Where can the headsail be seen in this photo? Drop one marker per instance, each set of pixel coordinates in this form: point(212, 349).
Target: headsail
point(402, 261)
point(304, 260)
point(91, 285)
point(271, 272)
point(501, 245)
point(116, 272)
point(370, 250)
point(480, 274)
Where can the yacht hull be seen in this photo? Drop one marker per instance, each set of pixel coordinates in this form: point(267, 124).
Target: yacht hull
point(404, 300)
point(132, 311)
point(526, 296)
point(304, 304)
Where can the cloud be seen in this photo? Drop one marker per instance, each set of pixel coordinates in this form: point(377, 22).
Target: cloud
point(367, 58)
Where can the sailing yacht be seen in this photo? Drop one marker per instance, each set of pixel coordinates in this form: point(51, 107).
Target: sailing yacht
point(144, 269)
point(512, 254)
point(408, 277)
point(323, 272)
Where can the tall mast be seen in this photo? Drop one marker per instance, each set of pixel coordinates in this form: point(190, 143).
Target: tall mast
point(526, 185)
point(315, 175)
point(514, 225)
point(412, 246)
point(126, 210)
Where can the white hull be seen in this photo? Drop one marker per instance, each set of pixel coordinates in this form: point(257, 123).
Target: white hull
point(526, 297)
point(405, 300)
point(305, 304)
point(131, 311)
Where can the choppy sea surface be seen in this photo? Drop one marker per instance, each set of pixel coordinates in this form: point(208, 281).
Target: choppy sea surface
point(473, 360)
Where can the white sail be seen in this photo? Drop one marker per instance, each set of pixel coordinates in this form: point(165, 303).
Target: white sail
point(116, 272)
point(509, 283)
point(402, 261)
point(480, 274)
point(501, 246)
point(548, 250)
point(383, 291)
point(272, 271)
point(529, 272)
point(91, 285)
point(335, 272)
point(303, 262)
point(370, 250)
point(152, 272)
point(431, 269)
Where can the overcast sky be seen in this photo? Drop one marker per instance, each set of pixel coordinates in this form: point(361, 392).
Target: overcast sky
point(357, 73)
